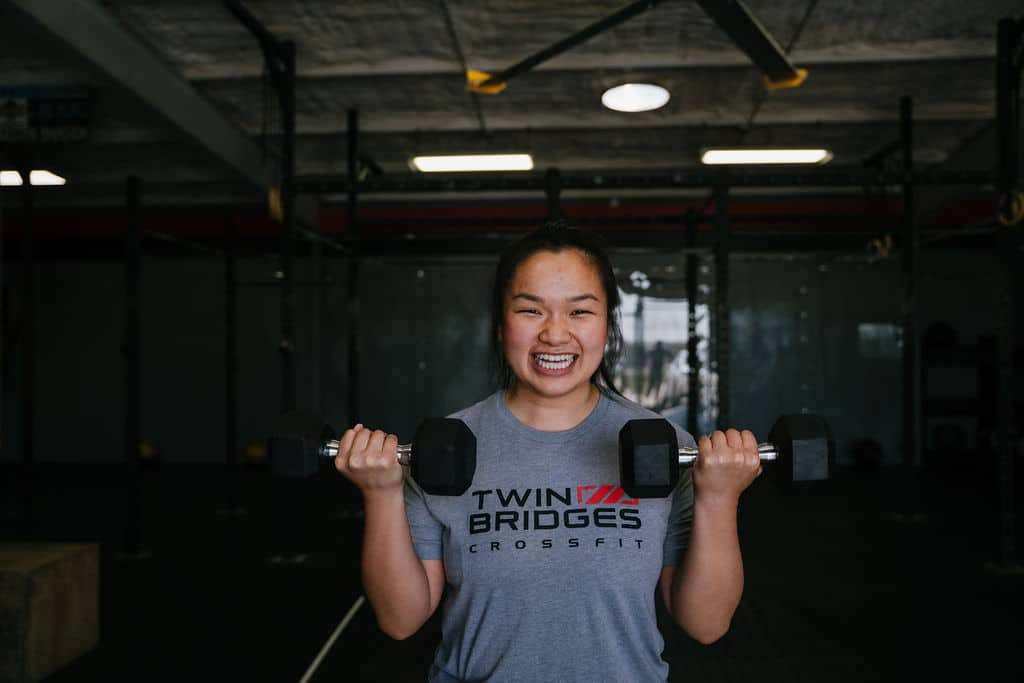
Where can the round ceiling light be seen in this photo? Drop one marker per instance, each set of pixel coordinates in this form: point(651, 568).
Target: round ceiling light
point(633, 97)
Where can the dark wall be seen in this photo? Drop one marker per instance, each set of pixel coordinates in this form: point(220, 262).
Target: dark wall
point(816, 332)
point(79, 374)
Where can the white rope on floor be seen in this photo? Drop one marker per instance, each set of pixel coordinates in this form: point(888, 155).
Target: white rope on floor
point(330, 641)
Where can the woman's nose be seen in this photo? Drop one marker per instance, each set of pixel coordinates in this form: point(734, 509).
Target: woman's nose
point(555, 331)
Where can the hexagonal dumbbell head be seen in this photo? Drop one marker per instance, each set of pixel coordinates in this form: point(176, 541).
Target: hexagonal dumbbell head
point(805, 452)
point(648, 458)
point(443, 457)
point(294, 444)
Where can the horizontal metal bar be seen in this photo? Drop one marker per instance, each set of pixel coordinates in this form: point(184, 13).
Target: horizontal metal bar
point(277, 283)
point(178, 241)
point(599, 26)
point(750, 36)
point(611, 180)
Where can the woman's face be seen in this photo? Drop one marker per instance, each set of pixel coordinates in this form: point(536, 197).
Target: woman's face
point(555, 324)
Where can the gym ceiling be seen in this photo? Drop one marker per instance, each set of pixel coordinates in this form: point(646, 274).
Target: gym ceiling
point(178, 95)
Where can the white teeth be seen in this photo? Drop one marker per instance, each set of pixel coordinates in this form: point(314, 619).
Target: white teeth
point(554, 362)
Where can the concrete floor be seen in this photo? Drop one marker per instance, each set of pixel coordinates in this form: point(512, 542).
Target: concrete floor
point(838, 588)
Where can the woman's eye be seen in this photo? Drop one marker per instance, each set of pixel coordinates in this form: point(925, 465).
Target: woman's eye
point(582, 311)
point(531, 311)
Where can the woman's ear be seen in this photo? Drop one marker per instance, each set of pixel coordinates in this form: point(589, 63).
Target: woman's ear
point(500, 334)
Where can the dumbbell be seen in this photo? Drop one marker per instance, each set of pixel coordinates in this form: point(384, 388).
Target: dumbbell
point(441, 458)
point(650, 456)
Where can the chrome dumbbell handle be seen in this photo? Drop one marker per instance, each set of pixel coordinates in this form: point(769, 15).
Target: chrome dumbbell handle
point(329, 449)
point(767, 451)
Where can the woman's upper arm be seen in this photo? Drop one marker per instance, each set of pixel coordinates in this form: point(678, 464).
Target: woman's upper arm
point(668, 575)
point(434, 570)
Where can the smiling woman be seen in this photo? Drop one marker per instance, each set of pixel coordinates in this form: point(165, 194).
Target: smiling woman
point(575, 272)
point(553, 331)
point(499, 555)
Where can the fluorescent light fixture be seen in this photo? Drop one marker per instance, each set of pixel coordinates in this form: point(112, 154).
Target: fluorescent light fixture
point(633, 97)
point(473, 162)
point(14, 179)
point(765, 156)
point(45, 178)
point(10, 179)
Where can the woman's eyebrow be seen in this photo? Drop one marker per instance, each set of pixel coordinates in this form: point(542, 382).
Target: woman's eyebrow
point(540, 300)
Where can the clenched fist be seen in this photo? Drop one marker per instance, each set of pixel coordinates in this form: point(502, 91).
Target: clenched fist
point(727, 463)
point(369, 459)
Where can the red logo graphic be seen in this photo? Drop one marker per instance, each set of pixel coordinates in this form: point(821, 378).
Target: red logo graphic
point(609, 495)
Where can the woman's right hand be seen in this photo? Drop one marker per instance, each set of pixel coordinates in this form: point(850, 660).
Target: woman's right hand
point(369, 459)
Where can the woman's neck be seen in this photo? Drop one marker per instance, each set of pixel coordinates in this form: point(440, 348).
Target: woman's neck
point(551, 414)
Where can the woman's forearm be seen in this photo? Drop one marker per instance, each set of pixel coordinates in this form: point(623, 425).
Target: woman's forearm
point(393, 576)
point(707, 588)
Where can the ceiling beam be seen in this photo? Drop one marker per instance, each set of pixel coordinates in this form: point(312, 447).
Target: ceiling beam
point(92, 32)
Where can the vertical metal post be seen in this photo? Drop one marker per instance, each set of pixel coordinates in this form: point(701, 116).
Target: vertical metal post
point(723, 244)
point(639, 346)
point(1008, 38)
point(911, 247)
point(552, 191)
point(28, 376)
point(3, 328)
point(286, 94)
point(132, 358)
point(1008, 244)
point(317, 273)
point(692, 360)
point(230, 366)
point(353, 266)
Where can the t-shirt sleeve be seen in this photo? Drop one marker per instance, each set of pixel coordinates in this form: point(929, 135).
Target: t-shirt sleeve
point(427, 532)
point(680, 516)
point(680, 520)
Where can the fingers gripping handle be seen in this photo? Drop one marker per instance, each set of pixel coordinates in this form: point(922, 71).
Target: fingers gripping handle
point(767, 451)
point(329, 449)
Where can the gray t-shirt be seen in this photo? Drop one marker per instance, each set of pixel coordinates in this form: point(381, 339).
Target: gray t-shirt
point(551, 568)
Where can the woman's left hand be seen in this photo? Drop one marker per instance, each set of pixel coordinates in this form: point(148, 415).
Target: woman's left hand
point(726, 464)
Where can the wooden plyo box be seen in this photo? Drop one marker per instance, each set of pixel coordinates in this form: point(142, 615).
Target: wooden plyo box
point(49, 607)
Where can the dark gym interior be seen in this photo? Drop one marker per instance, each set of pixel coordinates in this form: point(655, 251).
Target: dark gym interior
point(232, 239)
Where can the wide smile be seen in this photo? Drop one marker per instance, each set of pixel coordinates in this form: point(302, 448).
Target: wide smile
point(554, 363)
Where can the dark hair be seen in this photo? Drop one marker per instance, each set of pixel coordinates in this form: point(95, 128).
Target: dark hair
point(556, 236)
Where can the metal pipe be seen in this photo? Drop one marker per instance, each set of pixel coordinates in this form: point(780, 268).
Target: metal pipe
point(1008, 245)
point(132, 349)
point(3, 327)
point(722, 347)
point(28, 259)
point(286, 96)
point(911, 247)
point(575, 39)
point(353, 267)
point(28, 355)
point(747, 33)
point(552, 190)
point(693, 402)
point(1008, 38)
point(230, 364)
point(611, 179)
